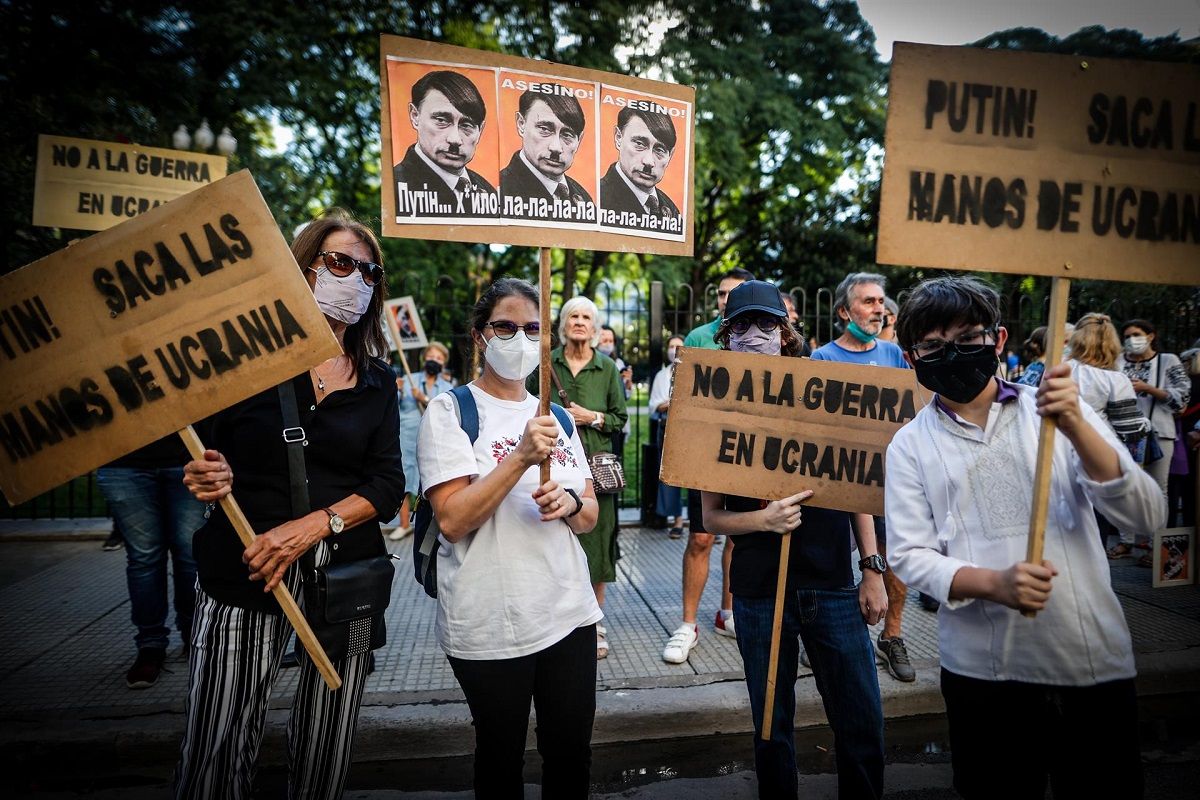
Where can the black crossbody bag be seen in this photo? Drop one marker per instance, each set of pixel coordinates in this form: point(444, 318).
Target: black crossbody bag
point(343, 603)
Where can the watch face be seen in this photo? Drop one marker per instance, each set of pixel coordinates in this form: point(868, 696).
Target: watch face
point(336, 524)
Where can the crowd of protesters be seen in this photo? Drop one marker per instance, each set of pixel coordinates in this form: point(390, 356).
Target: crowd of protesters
point(523, 562)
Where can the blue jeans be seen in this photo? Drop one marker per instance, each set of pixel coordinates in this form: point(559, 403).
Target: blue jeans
point(843, 662)
point(157, 515)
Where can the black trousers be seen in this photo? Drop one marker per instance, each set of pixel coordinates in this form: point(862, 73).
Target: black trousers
point(561, 682)
point(1008, 738)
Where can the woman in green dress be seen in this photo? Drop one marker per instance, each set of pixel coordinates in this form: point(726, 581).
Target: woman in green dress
point(596, 400)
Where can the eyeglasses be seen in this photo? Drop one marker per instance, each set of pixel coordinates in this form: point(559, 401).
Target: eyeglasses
point(343, 266)
point(765, 323)
point(967, 344)
point(506, 329)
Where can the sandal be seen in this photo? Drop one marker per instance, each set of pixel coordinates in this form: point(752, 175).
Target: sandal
point(1120, 550)
point(601, 642)
point(675, 533)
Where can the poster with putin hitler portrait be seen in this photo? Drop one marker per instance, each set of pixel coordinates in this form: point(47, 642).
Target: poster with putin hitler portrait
point(481, 146)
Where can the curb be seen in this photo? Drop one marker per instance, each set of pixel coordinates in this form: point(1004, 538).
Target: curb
point(79, 529)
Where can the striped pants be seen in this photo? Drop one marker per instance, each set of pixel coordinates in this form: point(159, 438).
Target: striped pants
point(235, 659)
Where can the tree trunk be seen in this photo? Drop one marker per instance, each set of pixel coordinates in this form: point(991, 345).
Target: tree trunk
point(570, 270)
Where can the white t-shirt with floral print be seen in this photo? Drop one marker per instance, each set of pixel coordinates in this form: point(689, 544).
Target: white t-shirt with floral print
point(516, 585)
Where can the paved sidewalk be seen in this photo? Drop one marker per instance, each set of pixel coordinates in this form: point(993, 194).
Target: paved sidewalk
point(67, 640)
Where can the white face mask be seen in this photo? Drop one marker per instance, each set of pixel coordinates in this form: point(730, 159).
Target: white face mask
point(1136, 345)
point(672, 354)
point(345, 299)
point(755, 341)
point(607, 349)
point(513, 359)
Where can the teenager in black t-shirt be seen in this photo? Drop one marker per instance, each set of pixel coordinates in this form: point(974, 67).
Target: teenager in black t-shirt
point(822, 606)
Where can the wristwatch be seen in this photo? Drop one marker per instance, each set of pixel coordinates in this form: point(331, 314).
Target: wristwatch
point(874, 563)
point(578, 502)
point(598, 422)
point(336, 523)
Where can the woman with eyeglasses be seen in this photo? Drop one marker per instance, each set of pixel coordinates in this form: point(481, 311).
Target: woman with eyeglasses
point(347, 409)
point(589, 386)
point(822, 608)
point(516, 614)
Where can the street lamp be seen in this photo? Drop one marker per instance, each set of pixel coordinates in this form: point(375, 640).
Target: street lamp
point(204, 139)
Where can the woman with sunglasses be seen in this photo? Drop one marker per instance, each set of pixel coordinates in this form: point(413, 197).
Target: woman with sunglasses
point(822, 607)
point(348, 413)
point(516, 613)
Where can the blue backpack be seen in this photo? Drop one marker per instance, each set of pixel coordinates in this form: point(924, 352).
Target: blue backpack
point(425, 527)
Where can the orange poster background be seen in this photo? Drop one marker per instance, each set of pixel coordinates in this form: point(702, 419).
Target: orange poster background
point(403, 74)
point(584, 169)
point(672, 183)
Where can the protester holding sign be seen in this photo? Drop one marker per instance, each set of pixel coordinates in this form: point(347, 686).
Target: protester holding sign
point(414, 393)
point(590, 388)
point(350, 423)
point(1039, 696)
point(516, 612)
point(822, 607)
point(1163, 389)
point(860, 305)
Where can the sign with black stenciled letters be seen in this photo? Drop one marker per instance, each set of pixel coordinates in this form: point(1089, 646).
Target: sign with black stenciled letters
point(88, 185)
point(140, 330)
point(1042, 164)
point(768, 427)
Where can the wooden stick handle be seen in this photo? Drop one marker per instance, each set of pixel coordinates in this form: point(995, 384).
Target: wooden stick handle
point(240, 524)
point(1060, 292)
point(544, 370)
point(785, 549)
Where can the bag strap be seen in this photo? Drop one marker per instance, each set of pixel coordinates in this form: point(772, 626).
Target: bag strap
point(562, 393)
point(564, 419)
point(466, 411)
point(296, 440)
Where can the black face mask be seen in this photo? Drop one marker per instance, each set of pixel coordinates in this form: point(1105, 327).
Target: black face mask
point(957, 377)
point(432, 367)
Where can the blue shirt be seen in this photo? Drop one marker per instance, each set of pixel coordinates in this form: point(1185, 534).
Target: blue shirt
point(883, 354)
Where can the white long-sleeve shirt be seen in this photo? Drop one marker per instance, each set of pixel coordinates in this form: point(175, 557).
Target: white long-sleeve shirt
point(957, 496)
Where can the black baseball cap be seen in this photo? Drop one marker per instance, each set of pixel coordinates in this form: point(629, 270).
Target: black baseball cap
point(754, 296)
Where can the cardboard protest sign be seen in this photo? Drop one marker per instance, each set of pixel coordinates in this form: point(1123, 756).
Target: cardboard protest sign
point(481, 146)
point(768, 427)
point(402, 311)
point(91, 186)
point(1042, 164)
point(138, 331)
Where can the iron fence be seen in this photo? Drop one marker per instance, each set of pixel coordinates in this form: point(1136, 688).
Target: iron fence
point(642, 315)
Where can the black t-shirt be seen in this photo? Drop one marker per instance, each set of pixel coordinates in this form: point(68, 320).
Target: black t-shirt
point(353, 448)
point(819, 557)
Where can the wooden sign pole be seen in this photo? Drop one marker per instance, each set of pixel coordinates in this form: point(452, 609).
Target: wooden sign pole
point(240, 524)
point(544, 371)
point(1060, 292)
point(395, 329)
point(785, 549)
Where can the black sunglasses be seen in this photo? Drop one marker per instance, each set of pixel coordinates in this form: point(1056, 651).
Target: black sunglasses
point(343, 266)
point(765, 322)
point(505, 329)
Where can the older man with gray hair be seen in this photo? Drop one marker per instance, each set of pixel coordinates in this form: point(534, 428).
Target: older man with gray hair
point(860, 304)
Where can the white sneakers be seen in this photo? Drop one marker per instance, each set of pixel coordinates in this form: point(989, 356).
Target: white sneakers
point(681, 643)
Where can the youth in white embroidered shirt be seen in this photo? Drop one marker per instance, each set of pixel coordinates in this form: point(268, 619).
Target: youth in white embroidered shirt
point(517, 585)
point(960, 496)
